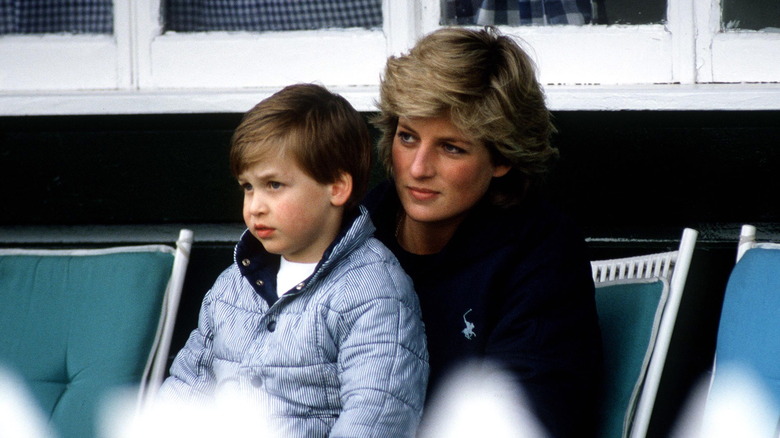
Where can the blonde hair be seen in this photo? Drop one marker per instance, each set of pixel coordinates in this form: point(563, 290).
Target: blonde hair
point(486, 84)
point(320, 130)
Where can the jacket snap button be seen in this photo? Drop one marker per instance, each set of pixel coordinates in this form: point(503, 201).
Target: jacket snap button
point(271, 325)
point(245, 262)
point(256, 381)
point(259, 283)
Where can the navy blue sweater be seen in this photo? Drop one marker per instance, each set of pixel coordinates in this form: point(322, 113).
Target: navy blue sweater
point(514, 286)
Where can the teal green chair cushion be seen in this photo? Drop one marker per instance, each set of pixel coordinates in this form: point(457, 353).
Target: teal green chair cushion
point(629, 314)
point(78, 326)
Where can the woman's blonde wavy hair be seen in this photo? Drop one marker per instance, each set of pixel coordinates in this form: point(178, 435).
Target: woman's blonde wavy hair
point(486, 84)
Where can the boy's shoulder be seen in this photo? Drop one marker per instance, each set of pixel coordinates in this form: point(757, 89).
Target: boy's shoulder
point(373, 254)
point(359, 249)
point(228, 279)
point(371, 271)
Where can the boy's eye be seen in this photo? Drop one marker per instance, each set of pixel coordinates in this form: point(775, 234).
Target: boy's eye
point(274, 185)
point(246, 187)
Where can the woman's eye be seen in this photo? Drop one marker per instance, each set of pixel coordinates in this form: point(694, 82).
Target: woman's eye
point(405, 137)
point(453, 149)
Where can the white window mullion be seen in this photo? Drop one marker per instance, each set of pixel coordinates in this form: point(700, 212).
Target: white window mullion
point(146, 26)
point(125, 47)
point(680, 18)
point(430, 17)
point(707, 24)
point(402, 24)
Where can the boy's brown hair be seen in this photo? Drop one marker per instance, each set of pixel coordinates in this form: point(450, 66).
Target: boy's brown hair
point(320, 130)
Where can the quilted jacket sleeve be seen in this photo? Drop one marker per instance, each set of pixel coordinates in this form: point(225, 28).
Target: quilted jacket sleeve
point(383, 360)
point(192, 374)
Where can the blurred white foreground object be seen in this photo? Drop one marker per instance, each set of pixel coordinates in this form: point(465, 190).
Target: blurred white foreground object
point(20, 417)
point(228, 415)
point(479, 401)
point(740, 407)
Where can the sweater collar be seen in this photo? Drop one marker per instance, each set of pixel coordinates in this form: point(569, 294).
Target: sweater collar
point(484, 228)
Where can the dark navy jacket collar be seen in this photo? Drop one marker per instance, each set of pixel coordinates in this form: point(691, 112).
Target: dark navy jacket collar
point(260, 267)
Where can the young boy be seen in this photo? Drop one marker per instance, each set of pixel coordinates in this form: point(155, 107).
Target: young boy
point(315, 314)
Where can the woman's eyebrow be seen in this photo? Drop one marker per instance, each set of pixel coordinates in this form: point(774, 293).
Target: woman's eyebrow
point(448, 139)
point(406, 127)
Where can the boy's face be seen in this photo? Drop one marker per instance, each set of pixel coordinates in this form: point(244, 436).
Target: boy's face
point(289, 212)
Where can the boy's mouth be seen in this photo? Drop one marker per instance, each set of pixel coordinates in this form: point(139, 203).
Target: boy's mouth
point(263, 232)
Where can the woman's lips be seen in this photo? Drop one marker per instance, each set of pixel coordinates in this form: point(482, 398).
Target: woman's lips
point(422, 194)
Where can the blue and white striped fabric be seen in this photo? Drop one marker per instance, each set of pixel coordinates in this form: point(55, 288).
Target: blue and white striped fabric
point(517, 12)
point(270, 15)
point(341, 354)
point(56, 16)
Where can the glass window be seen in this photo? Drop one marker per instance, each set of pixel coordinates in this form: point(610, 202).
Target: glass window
point(632, 11)
point(516, 12)
point(270, 15)
point(552, 12)
point(752, 15)
point(56, 16)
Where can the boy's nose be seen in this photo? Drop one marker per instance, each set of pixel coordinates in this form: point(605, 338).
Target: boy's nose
point(257, 205)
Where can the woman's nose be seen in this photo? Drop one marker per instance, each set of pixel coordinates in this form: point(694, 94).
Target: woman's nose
point(422, 163)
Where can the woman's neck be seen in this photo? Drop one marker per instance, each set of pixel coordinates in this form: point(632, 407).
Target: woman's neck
point(424, 238)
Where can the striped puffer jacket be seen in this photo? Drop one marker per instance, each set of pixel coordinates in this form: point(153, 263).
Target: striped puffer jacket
point(343, 354)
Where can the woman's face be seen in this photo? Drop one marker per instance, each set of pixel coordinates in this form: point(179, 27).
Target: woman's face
point(439, 173)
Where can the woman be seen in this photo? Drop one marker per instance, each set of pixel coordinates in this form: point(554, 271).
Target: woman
point(501, 274)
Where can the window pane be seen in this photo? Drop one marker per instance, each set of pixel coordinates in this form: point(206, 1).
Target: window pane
point(552, 12)
point(632, 11)
point(270, 15)
point(56, 16)
point(516, 13)
point(752, 15)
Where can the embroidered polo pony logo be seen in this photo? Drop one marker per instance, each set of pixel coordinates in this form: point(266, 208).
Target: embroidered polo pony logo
point(468, 332)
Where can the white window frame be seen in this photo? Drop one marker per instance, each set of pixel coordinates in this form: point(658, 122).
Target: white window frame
point(686, 64)
point(51, 63)
point(733, 56)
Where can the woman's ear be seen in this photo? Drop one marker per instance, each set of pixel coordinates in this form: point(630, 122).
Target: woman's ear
point(341, 189)
point(501, 170)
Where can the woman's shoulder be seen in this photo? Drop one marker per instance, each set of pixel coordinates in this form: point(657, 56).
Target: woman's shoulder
point(534, 222)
